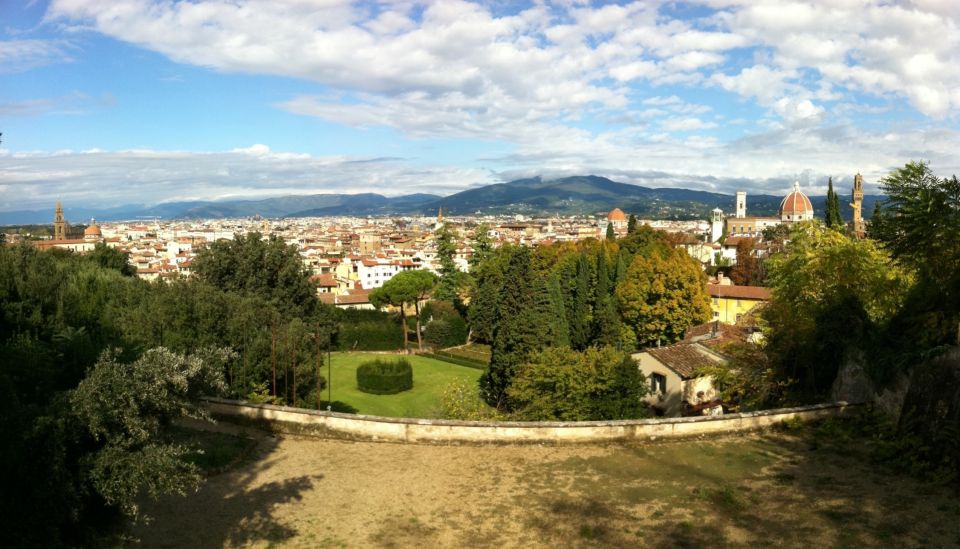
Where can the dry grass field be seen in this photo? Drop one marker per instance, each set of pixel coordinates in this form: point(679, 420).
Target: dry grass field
point(776, 489)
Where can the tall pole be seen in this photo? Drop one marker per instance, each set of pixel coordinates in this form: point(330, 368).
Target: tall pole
point(329, 379)
point(293, 370)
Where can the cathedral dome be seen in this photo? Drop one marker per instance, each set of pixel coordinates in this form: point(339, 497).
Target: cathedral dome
point(796, 206)
point(616, 214)
point(93, 231)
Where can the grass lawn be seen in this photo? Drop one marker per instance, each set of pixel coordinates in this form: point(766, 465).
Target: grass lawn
point(430, 377)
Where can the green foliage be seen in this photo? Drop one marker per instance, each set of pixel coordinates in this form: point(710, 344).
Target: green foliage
point(518, 328)
point(124, 408)
point(485, 301)
point(445, 326)
point(451, 278)
point(832, 218)
point(747, 270)
point(631, 224)
point(747, 381)
point(269, 268)
point(367, 331)
point(596, 384)
point(610, 234)
point(461, 400)
point(482, 245)
point(829, 292)
point(662, 296)
point(406, 288)
point(385, 377)
point(109, 258)
point(919, 223)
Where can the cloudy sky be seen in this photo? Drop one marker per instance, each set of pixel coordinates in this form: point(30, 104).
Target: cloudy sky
point(137, 101)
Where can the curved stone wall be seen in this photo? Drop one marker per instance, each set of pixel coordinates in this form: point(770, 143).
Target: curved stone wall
point(360, 427)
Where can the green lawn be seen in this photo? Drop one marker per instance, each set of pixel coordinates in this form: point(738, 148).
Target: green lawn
point(429, 379)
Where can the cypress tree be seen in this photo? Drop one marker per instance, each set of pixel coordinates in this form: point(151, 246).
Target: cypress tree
point(631, 224)
point(605, 322)
point(833, 218)
point(610, 233)
point(517, 331)
point(579, 318)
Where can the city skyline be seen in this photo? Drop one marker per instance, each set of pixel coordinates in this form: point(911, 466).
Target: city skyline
point(144, 102)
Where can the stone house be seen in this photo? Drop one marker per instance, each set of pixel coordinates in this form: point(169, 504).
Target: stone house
point(672, 373)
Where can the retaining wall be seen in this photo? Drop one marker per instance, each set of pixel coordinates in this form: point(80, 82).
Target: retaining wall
point(360, 427)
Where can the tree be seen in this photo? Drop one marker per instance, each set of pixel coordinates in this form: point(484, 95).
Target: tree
point(408, 287)
point(662, 296)
point(832, 215)
point(606, 322)
point(448, 288)
point(744, 273)
point(126, 408)
point(565, 385)
point(518, 329)
point(829, 292)
point(631, 224)
point(485, 301)
point(250, 264)
point(580, 315)
point(610, 234)
point(482, 245)
point(919, 223)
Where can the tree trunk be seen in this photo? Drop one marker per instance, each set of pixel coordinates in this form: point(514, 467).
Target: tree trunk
point(403, 326)
point(416, 307)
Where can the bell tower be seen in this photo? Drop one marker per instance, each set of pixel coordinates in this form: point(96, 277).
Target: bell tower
point(59, 225)
point(859, 229)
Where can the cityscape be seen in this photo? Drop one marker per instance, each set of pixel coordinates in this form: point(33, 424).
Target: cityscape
point(464, 273)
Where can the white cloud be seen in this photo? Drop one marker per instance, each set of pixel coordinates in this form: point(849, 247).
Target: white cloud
point(24, 55)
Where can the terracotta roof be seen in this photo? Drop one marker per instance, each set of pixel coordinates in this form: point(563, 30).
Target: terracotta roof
point(326, 280)
point(92, 230)
point(758, 293)
point(796, 202)
point(616, 214)
point(682, 358)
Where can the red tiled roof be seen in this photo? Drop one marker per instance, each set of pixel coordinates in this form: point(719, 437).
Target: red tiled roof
point(757, 293)
point(682, 358)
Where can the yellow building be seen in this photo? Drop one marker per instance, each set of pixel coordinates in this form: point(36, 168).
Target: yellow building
point(730, 303)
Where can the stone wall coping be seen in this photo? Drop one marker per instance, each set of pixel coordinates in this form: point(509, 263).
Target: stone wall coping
point(532, 424)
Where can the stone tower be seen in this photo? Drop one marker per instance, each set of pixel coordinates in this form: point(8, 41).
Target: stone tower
point(716, 225)
point(59, 225)
point(859, 229)
point(741, 204)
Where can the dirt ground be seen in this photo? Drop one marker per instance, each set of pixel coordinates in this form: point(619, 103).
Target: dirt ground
point(775, 489)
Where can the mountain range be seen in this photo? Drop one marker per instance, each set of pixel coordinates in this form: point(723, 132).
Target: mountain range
point(569, 195)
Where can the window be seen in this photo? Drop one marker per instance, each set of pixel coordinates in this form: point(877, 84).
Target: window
point(658, 383)
point(716, 314)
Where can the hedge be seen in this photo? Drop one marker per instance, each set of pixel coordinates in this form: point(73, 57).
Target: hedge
point(385, 377)
point(458, 360)
point(368, 331)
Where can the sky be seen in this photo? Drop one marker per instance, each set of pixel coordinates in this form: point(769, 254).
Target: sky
point(104, 103)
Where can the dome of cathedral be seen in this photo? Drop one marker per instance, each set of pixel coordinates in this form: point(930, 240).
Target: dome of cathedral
point(796, 205)
point(616, 214)
point(92, 230)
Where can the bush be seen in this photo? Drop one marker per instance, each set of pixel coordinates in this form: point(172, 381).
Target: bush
point(368, 331)
point(444, 327)
point(385, 377)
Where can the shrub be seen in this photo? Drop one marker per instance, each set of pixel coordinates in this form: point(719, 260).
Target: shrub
point(368, 331)
point(385, 377)
point(445, 327)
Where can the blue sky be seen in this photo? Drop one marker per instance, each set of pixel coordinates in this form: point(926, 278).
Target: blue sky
point(139, 101)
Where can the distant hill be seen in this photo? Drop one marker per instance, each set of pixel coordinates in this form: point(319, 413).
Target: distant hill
point(592, 194)
point(569, 195)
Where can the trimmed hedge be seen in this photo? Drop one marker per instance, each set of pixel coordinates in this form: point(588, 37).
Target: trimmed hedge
point(368, 331)
point(458, 360)
point(385, 377)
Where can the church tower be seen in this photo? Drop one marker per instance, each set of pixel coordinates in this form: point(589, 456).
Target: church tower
point(741, 204)
point(59, 225)
point(858, 226)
